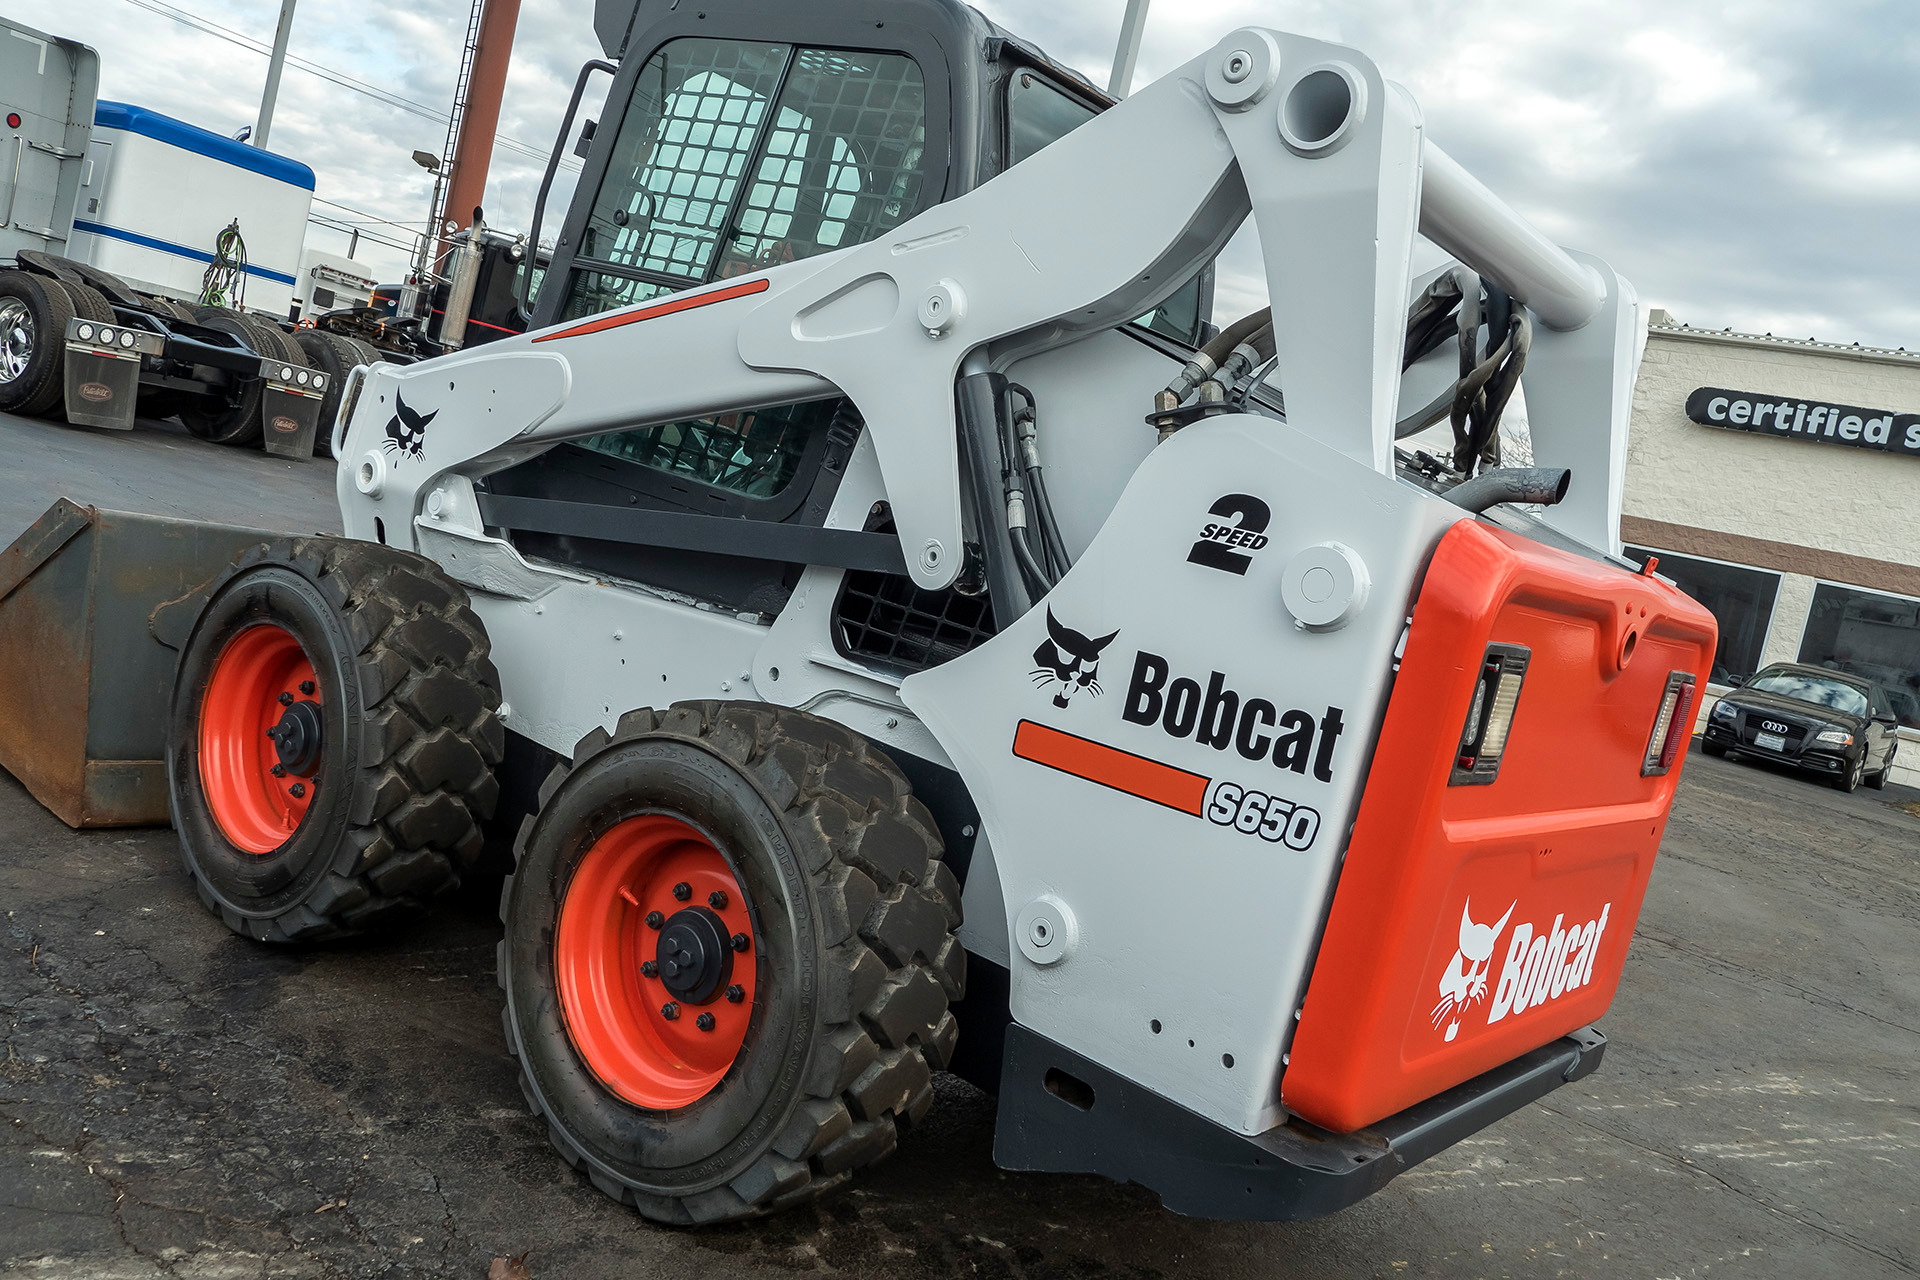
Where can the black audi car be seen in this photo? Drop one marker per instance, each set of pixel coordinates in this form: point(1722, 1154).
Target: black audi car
point(1822, 721)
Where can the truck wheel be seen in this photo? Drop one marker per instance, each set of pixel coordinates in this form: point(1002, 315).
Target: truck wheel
point(332, 739)
point(231, 417)
point(335, 357)
point(89, 303)
point(728, 958)
point(33, 334)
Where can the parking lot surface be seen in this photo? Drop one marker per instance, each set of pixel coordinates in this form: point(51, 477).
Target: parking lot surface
point(176, 1101)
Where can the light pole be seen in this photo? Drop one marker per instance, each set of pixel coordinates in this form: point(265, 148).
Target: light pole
point(409, 304)
point(274, 65)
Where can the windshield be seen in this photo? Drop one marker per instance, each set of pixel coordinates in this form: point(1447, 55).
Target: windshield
point(1827, 693)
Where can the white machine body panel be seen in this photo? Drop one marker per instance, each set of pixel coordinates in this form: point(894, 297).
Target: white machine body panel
point(1187, 678)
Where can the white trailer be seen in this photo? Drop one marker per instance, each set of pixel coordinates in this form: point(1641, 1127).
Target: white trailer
point(159, 192)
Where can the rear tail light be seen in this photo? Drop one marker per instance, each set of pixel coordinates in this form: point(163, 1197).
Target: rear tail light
point(1483, 739)
point(1672, 728)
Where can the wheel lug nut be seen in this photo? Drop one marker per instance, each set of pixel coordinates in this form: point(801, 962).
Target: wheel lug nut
point(307, 687)
point(717, 900)
point(736, 993)
point(682, 891)
point(286, 699)
point(655, 919)
point(670, 1011)
point(704, 1022)
point(741, 942)
point(298, 789)
point(648, 968)
point(279, 771)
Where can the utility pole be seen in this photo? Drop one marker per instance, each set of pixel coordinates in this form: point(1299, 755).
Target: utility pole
point(274, 64)
point(1127, 55)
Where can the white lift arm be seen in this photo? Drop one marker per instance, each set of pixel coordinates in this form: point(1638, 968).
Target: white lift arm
point(1327, 155)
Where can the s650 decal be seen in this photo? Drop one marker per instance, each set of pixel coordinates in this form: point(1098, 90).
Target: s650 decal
point(1227, 804)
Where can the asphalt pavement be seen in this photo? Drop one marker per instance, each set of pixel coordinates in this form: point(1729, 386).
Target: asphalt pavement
point(175, 1101)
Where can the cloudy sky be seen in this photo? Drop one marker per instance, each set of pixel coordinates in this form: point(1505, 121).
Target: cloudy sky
point(1752, 165)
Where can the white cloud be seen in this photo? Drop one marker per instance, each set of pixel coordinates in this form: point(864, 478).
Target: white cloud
point(1746, 163)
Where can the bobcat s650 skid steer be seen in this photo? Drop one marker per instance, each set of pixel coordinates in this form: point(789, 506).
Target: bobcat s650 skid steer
point(908, 638)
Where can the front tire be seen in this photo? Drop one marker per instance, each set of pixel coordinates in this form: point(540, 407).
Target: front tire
point(770, 1083)
point(1713, 749)
point(1849, 781)
point(332, 739)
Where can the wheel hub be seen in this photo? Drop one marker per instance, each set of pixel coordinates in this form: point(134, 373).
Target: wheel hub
point(16, 339)
point(296, 739)
point(695, 955)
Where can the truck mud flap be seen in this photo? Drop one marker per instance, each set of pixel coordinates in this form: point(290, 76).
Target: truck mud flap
point(289, 414)
point(102, 376)
point(84, 681)
point(1061, 1113)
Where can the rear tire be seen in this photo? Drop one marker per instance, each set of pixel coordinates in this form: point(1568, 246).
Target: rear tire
point(375, 657)
point(34, 311)
point(1879, 780)
point(231, 417)
point(853, 953)
point(334, 356)
point(89, 303)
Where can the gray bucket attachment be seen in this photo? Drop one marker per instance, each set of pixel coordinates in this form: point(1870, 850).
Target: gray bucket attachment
point(84, 680)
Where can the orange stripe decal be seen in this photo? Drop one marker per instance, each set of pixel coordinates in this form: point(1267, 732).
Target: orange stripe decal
point(680, 302)
point(1111, 767)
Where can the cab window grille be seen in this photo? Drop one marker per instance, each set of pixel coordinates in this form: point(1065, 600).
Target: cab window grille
point(754, 452)
point(884, 617)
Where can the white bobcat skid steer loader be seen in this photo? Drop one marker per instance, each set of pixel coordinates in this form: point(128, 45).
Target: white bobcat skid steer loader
point(921, 643)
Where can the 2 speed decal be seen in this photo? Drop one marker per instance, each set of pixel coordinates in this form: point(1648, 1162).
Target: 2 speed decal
point(1226, 804)
point(1215, 546)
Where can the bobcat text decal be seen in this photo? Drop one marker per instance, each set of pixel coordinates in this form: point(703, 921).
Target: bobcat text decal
point(1539, 967)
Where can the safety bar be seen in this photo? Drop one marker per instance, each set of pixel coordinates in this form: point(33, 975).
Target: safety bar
point(1459, 214)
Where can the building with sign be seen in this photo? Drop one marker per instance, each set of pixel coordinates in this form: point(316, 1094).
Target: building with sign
point(1778, 482)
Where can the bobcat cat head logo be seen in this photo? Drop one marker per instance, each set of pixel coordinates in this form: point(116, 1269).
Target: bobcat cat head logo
point(1069, 659)
point(406, 430)
point(1465, 980)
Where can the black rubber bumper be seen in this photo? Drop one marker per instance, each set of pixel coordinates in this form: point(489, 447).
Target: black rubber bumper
point(1061, 1113)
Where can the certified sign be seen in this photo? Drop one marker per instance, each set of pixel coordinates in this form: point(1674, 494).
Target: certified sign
point(1881, 430)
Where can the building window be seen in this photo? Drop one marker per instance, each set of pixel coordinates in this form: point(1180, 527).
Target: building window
point(1740, 599)
point(1865, 633)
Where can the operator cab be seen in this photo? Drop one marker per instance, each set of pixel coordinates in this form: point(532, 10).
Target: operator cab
point(754, 135)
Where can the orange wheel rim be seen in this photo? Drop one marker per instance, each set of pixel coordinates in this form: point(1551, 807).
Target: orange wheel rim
point(263, 694)
point(654, 957)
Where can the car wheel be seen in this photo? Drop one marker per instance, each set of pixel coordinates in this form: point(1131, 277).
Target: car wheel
point(1879, 780)
point(1850, 780)
point(1713, 749)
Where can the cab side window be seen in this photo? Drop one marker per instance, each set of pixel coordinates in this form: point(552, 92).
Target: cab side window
point(735, 156)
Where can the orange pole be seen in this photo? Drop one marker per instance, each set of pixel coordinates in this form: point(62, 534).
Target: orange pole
point(473, 149)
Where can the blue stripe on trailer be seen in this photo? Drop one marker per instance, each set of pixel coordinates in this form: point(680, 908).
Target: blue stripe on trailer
point(167, 246)
point(204, 142)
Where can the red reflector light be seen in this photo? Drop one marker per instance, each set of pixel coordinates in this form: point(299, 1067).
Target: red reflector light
point(1672, 727)
point(13, 119)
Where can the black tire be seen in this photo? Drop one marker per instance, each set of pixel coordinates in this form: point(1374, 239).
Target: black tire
point(89, 303)
point(167, 307)
point(369, 354)
point(334, 356)
point(406, 696)
point(1878, 781)
point(232, 417)
point(1712, 748)
point(841, 868)
point(34, 311)
point(1849, 779)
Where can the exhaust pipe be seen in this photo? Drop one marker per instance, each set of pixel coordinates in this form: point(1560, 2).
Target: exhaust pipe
point(1540, 486)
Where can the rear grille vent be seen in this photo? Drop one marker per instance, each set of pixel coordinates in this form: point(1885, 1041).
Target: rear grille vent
point(884, 617)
